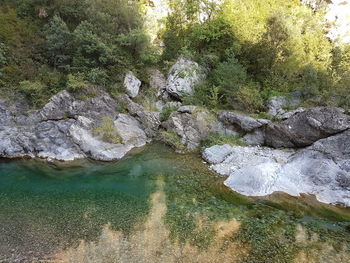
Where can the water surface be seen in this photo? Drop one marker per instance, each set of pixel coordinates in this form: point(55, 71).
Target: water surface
point(156, 206)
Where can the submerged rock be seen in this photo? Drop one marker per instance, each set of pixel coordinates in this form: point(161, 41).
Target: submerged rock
point(183, 76)
point(322, 169)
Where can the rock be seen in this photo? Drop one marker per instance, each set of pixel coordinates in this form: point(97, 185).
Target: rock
point(157, 81)
point(289, 114)
point(277, 103)
point(48, 140)
point(150, 120)
point(129, 130)
point(187, 109)
point(217, 153)
point(322, 169)
point(160, 105)
point(192, 128)
point(239, 121)
point(62, 130)
point(242, 158)
point(255, 138)
point(63, 105)
point(132, 85)
point(275, 106)
point(183, 76)
point(302, 129)
point(53, 142)
point(59, 107)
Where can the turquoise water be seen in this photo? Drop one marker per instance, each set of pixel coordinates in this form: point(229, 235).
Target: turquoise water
point(47, 208)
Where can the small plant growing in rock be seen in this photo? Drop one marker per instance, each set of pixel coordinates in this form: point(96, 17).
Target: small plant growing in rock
point(217, 139)
point(173, 140)
point(167, 110)
point(107, 131)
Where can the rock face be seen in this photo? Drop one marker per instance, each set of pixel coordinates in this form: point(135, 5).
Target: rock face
point(157, 81)
point(322, 169)
point(183, 76)
point(276, 104)
point(132, 85)
point(305, 128)
point(150, 120)
point(129, 131)
point(240, 122)
point(64, 129)
point(192, 128)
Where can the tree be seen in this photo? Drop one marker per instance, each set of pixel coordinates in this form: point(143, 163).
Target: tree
point(58, 42)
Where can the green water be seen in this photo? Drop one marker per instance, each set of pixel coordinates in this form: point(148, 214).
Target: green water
point(47, 208)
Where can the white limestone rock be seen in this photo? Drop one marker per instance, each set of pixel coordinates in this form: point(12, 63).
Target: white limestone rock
point(132, 85)
point(183, 76)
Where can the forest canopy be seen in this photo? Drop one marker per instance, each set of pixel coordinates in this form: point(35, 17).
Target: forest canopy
point(251, 50)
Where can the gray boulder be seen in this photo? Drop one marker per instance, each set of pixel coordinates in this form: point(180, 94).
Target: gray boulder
point(240, 122)
point(63, 105)
point(126, 127)
point(132, 85)
point(303, 129)
point(276, 104)
point(217, 153)
point(191, 128)
point(183, 76)
point(187, 109)
point(150, 120)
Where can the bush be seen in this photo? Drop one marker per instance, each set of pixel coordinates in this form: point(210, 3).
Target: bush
point(167, 110)
point(248, 98)
point(98, 76)
point(76, 82)
point(107, 131)
point(35, 92)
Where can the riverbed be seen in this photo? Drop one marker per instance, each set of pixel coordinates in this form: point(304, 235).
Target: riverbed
point(156, 206)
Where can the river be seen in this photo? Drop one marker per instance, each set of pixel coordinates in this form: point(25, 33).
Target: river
point(156, 206)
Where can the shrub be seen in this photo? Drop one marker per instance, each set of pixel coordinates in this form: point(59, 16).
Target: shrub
point(35, 92)
point(107, 131)
point(76, 82)
point(167, 110)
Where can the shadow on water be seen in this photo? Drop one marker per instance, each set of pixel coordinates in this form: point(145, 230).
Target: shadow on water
point(156, 206)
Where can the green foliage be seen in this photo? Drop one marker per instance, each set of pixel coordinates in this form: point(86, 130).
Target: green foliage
point(173, 140)
point(166, 111)
point(253, 49)
point(107, 131)
point(35, 92)
point(58, 42)
point(98, 76)
point(218, 139)
point(76, 82)
point(3, 59)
